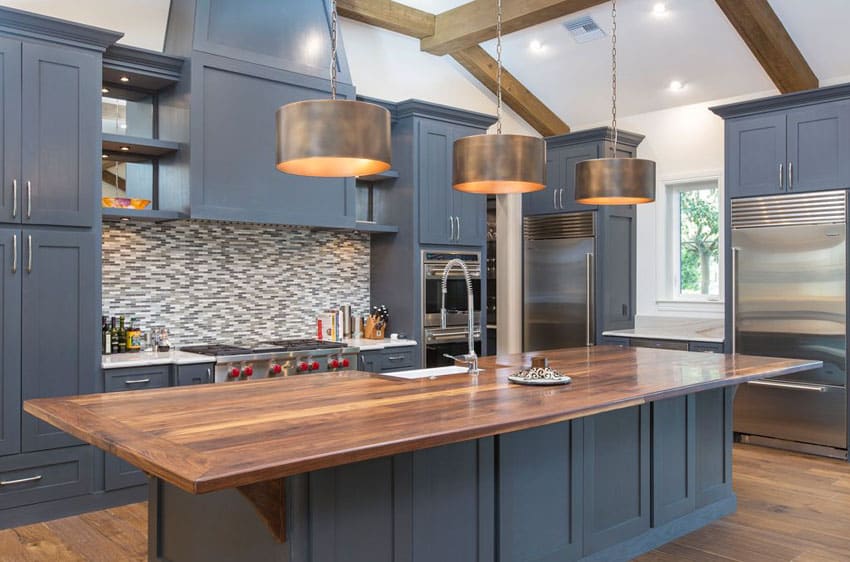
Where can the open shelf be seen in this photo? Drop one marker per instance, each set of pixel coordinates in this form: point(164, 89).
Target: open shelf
point(138, 146)
point(143, 69)
point(147, 215)
point(368, 226)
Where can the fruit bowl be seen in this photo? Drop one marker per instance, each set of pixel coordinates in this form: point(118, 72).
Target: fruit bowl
point(125, 203)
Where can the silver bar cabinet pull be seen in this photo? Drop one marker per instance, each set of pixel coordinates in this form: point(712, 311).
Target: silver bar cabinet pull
point(588, 286)
point(140, 381)
point(14, 253)
point(790, 176)
point(789, 385)
point(20, 480)
point(452, 226)
point(14, 198)
point(561, 198)
point(29, 199)
point(209, 374)
point(29, 253)
point(781, 177)
point(555, 198)
point(458, 228)
point(735, 299)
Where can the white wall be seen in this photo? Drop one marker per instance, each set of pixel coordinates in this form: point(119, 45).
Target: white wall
point(685, 142)
point(390, 66)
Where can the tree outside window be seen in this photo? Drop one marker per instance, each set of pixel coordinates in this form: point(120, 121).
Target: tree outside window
point(694, 221)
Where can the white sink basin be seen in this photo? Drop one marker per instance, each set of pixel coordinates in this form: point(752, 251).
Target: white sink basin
point(427, 373)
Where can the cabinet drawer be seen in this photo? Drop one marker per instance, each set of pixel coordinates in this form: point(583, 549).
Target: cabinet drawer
point(201, 373)
point(137, 378)
point(397, 358)
point(121, 474)
point(44, 476)
point(659, 344)
point(706, 346)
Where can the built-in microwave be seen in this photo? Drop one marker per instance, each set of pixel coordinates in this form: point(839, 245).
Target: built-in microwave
point(452, 339)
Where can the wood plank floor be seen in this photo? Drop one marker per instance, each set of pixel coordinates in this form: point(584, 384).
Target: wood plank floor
point(790, 508)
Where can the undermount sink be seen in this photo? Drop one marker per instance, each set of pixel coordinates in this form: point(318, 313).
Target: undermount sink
point(427, 373)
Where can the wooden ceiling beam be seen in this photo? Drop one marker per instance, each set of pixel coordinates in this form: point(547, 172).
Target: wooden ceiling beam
point(475, 22)
point(516, 96)
point(763, 32)
point(389, 15)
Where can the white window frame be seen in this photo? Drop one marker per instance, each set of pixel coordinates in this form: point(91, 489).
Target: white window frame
point(668, 248)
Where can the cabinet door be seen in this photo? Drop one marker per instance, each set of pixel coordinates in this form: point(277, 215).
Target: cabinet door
point(10, 340)
point(818, 147)
point(673, 458)
point(469, 209)
point(546, 200)
point(60, 135)
point(755, 155)
point(10, 130)
point(61, 347)
point(233, 144)
point(571, 156)
point(713, 445)
point(616, 477)
point(436, 224)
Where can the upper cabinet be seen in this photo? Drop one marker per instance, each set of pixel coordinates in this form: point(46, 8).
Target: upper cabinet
point(446, 216)
point(792, 143)
point(563, 153)
point(50, 134)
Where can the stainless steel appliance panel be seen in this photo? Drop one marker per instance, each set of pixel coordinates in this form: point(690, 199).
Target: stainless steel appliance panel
point(555, 296)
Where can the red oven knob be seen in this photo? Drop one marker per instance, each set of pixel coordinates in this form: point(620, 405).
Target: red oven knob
point(303, 366)
point(345, 363)
point(315, 366)
point(234, 372)
point(276, 369)
point(335, 363)
point(248, 371)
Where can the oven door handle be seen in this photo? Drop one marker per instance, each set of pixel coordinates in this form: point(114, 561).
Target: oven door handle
point(437, 273)
point(461, 336)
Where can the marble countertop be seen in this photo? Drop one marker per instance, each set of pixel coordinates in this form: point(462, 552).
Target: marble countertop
point(371, 345)
point(673, 328)
point(148, 358)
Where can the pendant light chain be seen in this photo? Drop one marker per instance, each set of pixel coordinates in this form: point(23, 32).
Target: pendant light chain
point(333, 49)
point(499, 67)
point(614, 73)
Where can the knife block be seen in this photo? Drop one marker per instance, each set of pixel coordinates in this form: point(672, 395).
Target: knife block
point(371, 331)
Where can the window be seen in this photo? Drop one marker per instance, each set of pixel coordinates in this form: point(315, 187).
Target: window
point(693, 224)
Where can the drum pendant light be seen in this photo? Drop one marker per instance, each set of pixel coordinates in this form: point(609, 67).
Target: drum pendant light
point(333, 138)
point(498, 164)
point(615, 181)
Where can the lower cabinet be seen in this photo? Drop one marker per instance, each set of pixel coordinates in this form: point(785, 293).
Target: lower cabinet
point(680, 345)
point(43, 476)
point(201, 373)
point(673, 458)
point(117, 473)
point(388, 359)
point(713, 473)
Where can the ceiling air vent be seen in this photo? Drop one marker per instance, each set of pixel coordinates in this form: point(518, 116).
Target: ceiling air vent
point(584, 29)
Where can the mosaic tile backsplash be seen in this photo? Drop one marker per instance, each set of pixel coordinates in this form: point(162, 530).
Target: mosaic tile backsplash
point(231, 283)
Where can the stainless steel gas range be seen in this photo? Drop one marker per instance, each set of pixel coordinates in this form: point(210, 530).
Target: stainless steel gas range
point(280, 358)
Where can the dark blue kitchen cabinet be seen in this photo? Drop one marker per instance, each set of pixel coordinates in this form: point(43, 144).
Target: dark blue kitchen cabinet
point(60, 135)
point(59, 327)
point(10, 340)
point(713, 420)
point(10, 130)
point(791, 143)
point(616, 477)
point(446, 216)
point(673, 458)
point(546, 200)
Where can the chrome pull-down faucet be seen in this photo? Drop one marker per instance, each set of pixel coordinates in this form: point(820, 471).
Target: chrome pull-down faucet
point(471, 358)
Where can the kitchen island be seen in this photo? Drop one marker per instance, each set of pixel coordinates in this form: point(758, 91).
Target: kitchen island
point(351, 466)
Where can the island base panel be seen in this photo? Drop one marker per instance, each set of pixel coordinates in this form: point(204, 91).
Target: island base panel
point(607, 487)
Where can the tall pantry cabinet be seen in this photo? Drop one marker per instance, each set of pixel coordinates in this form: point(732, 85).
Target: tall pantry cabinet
point(50, 77)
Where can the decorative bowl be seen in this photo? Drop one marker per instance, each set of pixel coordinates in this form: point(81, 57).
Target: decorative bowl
point(125, 203)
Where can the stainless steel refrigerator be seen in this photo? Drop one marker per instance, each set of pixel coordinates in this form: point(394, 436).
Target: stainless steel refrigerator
point(558, 280)
point(789, 281)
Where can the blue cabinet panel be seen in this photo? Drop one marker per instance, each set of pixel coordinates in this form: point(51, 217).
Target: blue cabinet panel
point(45, 476)
point(10, 130)
point(673, 458)
point(570, 156)
point(60, 350)
point(546, 200)
point(10, 340)
point(436, 220)
point(713, 445)
point(60, 135)
point(818, 147)
point(755, 155)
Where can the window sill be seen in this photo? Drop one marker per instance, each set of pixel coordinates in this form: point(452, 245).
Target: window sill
point(684, 305)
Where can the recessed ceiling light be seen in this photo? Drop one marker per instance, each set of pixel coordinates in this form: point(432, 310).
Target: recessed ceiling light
point(125, 78)
point(104, 90)
point(125, 148)
point(676, 86)
point(536, 46)
point(659, 9)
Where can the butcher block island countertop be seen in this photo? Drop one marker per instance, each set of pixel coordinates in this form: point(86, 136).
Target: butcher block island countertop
point(207, 438)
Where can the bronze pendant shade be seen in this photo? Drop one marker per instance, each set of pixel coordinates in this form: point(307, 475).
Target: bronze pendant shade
point(498, 164)
point(615, 181)
point(333, 138)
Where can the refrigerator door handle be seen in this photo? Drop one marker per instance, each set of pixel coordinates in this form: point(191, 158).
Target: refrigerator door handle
point(588, 286)
point(735, 252)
